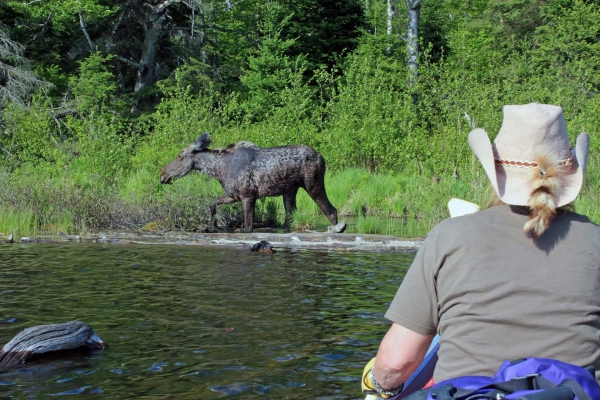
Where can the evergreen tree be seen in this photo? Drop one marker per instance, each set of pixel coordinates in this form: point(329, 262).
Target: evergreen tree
point(324, 30)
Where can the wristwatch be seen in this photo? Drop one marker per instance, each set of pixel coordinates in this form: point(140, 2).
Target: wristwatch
point(386, 394)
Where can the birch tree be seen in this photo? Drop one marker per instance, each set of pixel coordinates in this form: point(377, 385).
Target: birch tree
point(391, 12)
point(412, 37)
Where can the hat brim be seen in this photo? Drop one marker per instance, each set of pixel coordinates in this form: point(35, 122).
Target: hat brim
point(516, 190)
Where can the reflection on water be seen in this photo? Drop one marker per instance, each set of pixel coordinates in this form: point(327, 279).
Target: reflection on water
point(197, 322)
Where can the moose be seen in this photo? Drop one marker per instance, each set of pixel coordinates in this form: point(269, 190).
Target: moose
point(248, 172)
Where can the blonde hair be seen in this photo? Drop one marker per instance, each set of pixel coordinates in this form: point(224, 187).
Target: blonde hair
point(546, 181)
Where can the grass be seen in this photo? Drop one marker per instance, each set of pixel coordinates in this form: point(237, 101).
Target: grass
point(35, 201)
point(18, 222)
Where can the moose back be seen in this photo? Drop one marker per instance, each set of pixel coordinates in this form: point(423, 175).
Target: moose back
point(247, 172)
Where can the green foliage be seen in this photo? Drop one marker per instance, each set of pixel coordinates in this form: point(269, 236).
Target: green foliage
point(107, 152)
point(395, 151)
point(370, 225)
point(95, 86)
point(274, 81)
point(369, 120)
point(30, 134)
point(323, 30)
point(63, 12)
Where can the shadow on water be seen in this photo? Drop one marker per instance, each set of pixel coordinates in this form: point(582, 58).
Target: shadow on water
point(197, 322)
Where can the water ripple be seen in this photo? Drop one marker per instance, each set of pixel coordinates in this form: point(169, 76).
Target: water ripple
point(231, 389)
point(72, 391)
point(304, 322)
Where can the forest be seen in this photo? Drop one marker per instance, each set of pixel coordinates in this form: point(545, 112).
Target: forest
point(96, 96)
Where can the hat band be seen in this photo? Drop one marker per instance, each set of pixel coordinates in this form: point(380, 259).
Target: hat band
point(530, 164)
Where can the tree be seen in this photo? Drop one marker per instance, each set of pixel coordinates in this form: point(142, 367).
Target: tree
point(147, 22)
point(271, 71)
point(16, 78)
point(412, 37)
point(324, 29)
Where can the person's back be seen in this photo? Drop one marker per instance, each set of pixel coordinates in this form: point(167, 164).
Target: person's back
point(520, 279)
point(499, 296)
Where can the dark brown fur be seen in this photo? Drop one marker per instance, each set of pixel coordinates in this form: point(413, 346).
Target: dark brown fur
point(247, 172)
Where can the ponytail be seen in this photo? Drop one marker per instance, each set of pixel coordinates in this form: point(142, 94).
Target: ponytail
point(546, 182)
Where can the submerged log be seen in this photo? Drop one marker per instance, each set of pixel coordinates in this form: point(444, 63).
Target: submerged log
point(43, 339)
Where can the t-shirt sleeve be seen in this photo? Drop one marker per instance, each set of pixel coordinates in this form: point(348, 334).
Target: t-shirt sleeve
point(415, 305)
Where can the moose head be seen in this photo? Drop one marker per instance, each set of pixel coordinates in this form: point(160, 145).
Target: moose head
point(184, 162)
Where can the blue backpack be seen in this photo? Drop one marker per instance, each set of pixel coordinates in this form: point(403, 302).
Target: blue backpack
point(525, 379)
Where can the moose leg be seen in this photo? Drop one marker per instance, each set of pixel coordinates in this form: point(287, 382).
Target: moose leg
point(317, 192)
point(223, 199)
point(289, 203)
point(248, 206)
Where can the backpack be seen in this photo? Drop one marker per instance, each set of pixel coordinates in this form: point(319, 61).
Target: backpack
point(525, 379)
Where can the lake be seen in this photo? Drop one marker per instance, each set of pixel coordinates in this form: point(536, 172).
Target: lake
point(189, 322)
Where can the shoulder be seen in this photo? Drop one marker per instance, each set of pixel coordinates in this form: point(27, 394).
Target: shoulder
point(574, 223)
point(574, 218)
point(475, 231)
point(470, 222)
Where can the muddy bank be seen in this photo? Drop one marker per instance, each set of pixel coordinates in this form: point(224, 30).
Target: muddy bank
point(291, 240)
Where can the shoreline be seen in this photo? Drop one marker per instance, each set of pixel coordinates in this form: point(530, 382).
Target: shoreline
point(292, 240)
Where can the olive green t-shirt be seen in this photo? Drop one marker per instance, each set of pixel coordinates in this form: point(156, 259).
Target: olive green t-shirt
point(493, 294)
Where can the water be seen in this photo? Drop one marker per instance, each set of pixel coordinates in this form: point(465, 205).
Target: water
point(189, 322)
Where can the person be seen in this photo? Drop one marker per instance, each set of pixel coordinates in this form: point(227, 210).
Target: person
point(518, 279)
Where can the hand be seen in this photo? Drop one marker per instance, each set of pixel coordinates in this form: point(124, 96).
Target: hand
point(369, 387)
point(366, 384)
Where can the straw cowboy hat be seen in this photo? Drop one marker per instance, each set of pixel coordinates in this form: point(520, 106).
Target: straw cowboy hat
point(529, 132)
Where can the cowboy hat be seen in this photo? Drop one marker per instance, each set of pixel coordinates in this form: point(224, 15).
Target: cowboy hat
point(527, 132)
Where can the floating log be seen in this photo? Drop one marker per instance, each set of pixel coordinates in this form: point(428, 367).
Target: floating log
point(43, 339)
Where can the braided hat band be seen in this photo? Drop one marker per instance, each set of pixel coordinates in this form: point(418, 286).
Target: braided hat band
point(531, 164)
point(529, 130)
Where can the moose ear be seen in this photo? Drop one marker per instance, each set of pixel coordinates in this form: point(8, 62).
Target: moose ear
point(201, 143)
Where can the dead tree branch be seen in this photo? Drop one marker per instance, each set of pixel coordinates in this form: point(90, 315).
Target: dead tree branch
point(85, 32)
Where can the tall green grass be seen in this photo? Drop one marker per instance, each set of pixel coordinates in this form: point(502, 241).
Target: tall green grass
point(37, 201)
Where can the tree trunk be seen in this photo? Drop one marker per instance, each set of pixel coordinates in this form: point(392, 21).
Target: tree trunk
point(155, 20)
point(202, 11)
point(412, 38)
point(146, 75)
point(215, 56)
point(391, 11)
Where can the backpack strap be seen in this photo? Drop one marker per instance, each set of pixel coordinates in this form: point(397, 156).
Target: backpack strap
point(558, 393)
point(568, 387)
point(566, 390)
point(529, 382)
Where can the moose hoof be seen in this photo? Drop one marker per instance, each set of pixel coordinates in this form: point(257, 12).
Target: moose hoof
point(338, 228)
